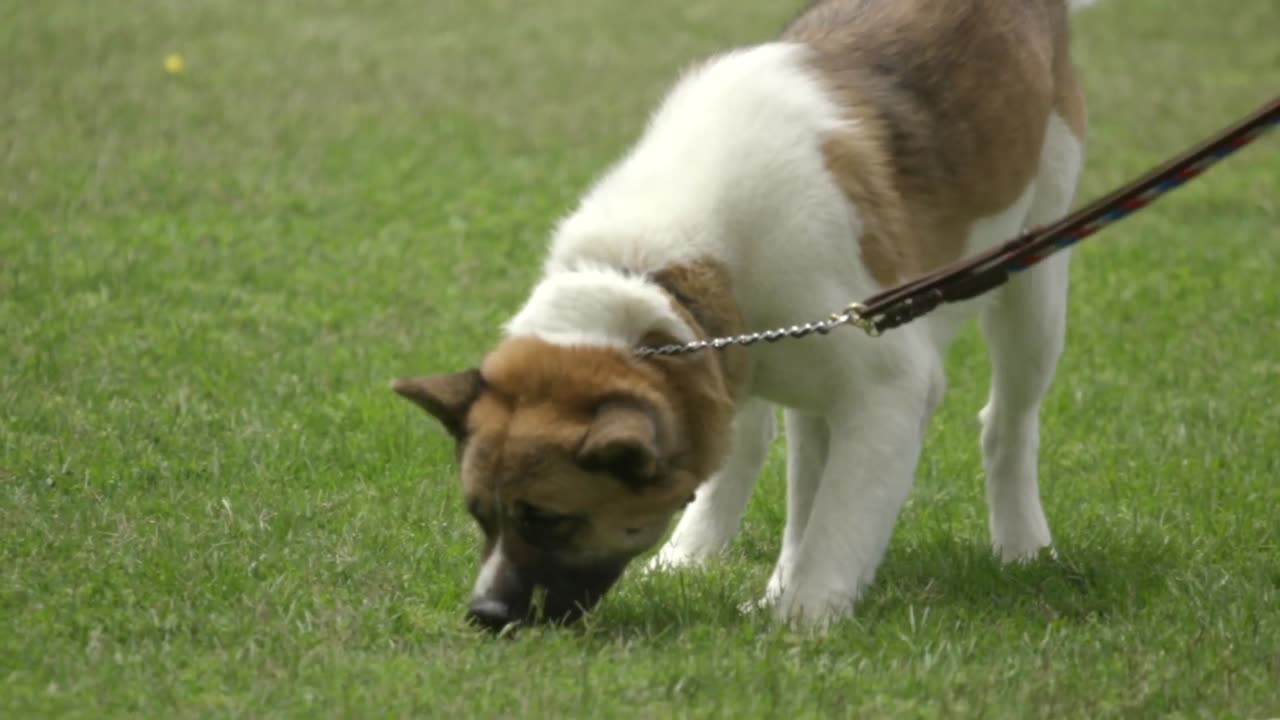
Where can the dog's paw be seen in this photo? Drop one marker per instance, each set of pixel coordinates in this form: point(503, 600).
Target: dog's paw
point(1019, 540)
point(772, 592)
point(670, 558)
point(1013, 554)
point(800, 611)
point(811, 610)
point(754, 607)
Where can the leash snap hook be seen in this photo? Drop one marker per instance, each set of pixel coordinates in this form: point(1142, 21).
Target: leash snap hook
point(853, 315)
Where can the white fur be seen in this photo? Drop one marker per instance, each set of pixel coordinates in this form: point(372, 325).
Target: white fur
point(1025, 330)
point(717, 508)
point(596, 305)
point(490, 571)
point(730, 168)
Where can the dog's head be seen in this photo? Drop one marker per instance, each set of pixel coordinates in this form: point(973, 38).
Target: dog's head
point(573, 461)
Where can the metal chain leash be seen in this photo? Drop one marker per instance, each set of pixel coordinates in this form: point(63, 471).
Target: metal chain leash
point(849, 316)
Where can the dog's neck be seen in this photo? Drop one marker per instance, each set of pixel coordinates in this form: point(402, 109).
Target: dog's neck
point(599, 306)
point(701, 292)
point(606, 307)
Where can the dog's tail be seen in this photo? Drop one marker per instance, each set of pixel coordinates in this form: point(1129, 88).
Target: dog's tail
point(1074, 5)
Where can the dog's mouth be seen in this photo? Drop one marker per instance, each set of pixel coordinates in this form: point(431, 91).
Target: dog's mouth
point(558, 596)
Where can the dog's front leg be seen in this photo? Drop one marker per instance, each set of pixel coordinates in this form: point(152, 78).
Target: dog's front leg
point(874, 445)
point(712, 519)
point(808, 442)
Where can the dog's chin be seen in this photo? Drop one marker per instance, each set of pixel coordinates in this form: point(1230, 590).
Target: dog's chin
point(566, 595)
point(566, 603)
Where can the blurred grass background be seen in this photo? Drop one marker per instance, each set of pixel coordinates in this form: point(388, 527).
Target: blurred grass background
point(212, 506)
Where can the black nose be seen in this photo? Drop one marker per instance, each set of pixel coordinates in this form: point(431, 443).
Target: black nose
point(490, 614)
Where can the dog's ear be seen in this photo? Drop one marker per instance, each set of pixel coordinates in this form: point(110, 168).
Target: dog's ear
point(622, 441)
point(447, 397)
point(660, 337)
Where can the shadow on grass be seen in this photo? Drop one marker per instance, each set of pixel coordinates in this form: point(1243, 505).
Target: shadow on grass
point(1102, 577)
point(1105, 576)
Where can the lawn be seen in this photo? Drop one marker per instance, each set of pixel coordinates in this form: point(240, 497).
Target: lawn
point(211, 505)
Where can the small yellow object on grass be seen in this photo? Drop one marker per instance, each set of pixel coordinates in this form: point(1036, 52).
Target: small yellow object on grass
point(174, 64)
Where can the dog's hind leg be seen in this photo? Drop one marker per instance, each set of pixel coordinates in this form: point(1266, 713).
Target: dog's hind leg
point(711, 520)
point(1025, 328)
point(1024, 331)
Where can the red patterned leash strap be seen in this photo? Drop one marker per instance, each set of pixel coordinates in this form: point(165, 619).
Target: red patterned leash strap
point(978, 274)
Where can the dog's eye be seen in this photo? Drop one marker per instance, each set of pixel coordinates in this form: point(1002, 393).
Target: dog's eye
point(477, 511)
point(633, 531)
point(538, 523)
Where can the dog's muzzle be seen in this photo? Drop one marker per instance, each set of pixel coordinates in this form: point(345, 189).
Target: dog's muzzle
point(504, 591)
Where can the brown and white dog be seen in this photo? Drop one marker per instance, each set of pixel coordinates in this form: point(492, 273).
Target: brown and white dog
point(874, 141)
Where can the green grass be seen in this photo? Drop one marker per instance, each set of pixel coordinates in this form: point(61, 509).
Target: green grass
point(210, 504)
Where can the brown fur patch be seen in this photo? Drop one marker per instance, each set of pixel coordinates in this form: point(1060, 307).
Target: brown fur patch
point(703, 294)
point(949, 101)
point(1068, 99)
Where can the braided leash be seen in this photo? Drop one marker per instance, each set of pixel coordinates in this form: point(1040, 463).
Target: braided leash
point(986, 271)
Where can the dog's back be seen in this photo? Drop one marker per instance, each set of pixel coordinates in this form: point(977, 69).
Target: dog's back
point(962, 92)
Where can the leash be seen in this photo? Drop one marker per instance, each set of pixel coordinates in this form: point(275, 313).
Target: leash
point(981, 273)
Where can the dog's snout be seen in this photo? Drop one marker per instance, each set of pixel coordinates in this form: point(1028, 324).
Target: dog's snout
point(504, 590)
point(501, 594)
point(490, 614)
